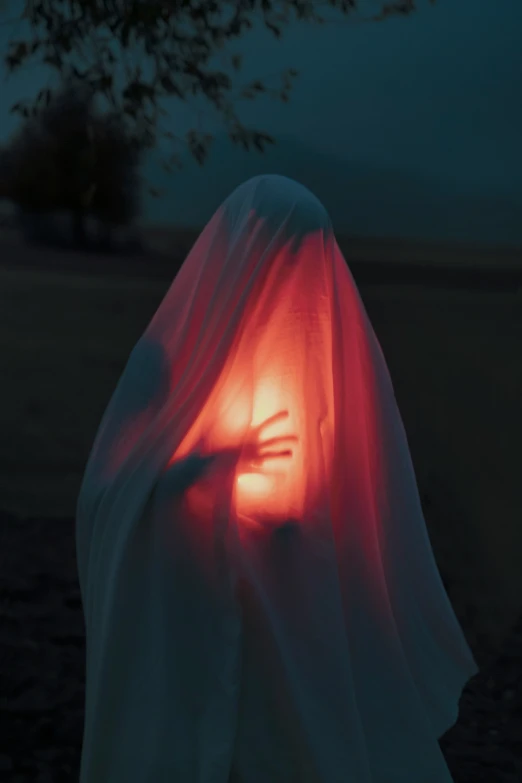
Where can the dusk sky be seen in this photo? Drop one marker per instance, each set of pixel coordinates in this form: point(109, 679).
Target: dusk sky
point(436, 95)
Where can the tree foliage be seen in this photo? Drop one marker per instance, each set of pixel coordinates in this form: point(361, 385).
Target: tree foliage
point(136, 53)
point(70, 157)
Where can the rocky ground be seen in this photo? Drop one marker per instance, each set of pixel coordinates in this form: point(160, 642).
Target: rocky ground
point(42, 672)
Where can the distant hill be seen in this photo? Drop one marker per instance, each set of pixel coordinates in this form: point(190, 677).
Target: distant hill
point(362, 199)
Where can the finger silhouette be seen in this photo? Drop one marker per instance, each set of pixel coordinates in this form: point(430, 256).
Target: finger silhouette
point(271, 420)
point(261, 470)
point(274, 454)
point(280, 439)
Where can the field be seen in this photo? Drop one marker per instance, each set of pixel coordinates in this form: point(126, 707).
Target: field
point(455, 359)
point(454, 356)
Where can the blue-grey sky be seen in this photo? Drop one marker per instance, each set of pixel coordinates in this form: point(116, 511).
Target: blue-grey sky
point(437, 95)
point(439, 92)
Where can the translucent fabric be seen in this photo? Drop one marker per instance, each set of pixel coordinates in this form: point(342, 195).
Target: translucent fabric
point(281, 626)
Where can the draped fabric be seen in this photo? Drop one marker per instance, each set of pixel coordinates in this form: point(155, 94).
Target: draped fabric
point(284, 625)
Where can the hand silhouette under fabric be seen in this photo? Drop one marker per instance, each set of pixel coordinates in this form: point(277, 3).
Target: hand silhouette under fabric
point(247, 456)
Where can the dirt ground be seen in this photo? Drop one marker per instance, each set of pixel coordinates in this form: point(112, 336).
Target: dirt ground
point(454, 356)
point(42, 679)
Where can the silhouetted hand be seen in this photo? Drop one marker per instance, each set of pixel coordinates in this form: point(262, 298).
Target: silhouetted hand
point(182, 473)
point(250, 456)
point(247, 457)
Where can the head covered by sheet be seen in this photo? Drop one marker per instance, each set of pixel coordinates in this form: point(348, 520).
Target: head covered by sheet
point(264, 316)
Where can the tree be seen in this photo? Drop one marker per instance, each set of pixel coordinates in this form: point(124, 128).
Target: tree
point(114, 188)
point(70, 157)
point(28, 177)
point(167, 48)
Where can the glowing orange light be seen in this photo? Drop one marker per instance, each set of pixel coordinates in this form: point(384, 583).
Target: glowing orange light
point(266, 489)
point(281, 362)
point(254, 484)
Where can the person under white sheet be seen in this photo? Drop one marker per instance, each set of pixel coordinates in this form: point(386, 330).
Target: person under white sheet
point(261, 600)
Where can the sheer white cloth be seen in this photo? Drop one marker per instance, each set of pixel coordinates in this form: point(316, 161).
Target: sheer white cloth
point(281, 626)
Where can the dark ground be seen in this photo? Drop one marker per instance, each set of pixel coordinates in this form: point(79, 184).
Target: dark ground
point(473, 344)
point(42, 671)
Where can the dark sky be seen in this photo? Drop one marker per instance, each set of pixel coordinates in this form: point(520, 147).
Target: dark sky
point(440, 92)
point(437, 94)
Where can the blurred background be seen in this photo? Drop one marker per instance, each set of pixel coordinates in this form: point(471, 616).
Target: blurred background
point(409, 127)
point(123, 126)
point(117, 143)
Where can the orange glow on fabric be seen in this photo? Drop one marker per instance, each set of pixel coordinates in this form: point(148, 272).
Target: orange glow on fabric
point(281, 362)
point(265, 488)
point(275, 487)
point(256, 487)
point(194, 599)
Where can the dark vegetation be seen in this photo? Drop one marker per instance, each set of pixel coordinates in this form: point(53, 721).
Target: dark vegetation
point(75, 160)
point(136, 54)
point(78, 150)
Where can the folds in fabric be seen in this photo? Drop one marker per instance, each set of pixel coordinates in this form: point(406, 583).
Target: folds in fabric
point(283, 625)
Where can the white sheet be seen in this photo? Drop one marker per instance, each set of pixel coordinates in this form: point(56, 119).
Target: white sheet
point(288, 629)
